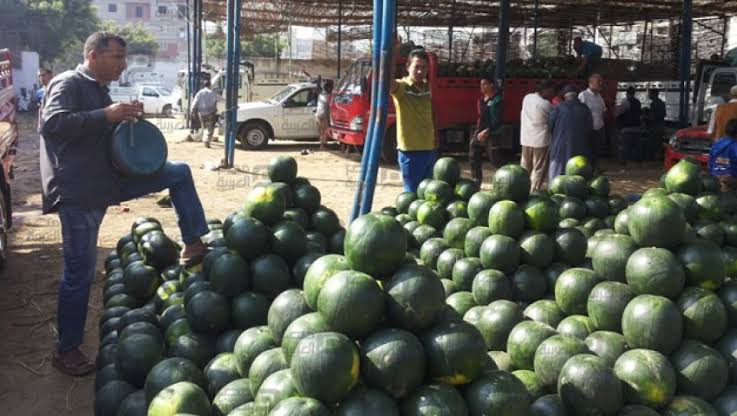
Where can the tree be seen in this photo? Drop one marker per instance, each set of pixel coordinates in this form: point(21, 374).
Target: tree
point(215, 46)
point(53, 28)
point(262, 46)
point(139, 40)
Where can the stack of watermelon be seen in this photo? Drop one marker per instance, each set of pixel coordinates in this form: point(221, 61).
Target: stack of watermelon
point(454, 302)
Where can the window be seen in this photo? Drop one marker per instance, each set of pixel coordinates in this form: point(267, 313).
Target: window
point(139, 11)
point(721, 85)
point(162, 10)
point(112, 8)
point(304, 98)
point(181, 11)
point(149, 92)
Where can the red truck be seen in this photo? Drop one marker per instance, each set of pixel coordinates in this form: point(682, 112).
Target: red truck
point(454, 103)
point(8, 144)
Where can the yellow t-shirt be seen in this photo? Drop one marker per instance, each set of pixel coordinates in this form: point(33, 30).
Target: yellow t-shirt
point(413, 106)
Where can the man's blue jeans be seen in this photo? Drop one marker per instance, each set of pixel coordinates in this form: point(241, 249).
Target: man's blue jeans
point(415, 166)
point(80, 229)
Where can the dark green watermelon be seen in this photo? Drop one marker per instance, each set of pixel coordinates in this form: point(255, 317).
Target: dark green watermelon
point(375, 244)
point(497, 393)
point(704, 315)
point(325, 366)
point(587, 385)
point(392, 360)
point(701, 370)
point(655, 271)
point(415, 297)
point(511, 182)
point(652, 322)
point(656, 221)
point(648, 377)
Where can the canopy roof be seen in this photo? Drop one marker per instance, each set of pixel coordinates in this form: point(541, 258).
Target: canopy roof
point(264, 16)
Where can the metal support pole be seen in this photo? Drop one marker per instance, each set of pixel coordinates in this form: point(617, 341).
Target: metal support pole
point(502, 43)
point(232, 74)
point(382, 104)
point(536, 25)
point(724, 35)
point(644, 39)
point(375, 62)
point(187, 94)
point(340, 34)
point(685, 60)
point(450, 31)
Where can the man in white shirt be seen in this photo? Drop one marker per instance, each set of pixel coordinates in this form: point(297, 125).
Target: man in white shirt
point(535, 134)
point(595, 102)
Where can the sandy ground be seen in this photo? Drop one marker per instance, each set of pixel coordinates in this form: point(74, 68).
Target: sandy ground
point(28, 384)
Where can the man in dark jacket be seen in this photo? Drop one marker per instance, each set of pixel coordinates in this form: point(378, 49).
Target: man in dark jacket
point(79, 182)
point(655, 125)
point(629, 114)
point(570, 124)
point(488, 128)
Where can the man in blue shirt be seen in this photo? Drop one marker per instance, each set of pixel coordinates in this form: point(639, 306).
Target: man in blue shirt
point(590, 54)
point(723, 158)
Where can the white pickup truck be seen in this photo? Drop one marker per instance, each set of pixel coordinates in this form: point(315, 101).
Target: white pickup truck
point(155, 98)
point(287, 115)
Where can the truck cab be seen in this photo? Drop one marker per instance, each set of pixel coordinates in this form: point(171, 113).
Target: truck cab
point(712, 89)
point(287, 115)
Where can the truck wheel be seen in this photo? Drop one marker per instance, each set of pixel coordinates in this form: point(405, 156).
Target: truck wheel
point(389, 147)
point(254, 136)
point(167, 111)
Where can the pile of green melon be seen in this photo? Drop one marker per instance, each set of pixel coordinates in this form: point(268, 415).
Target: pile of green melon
point(455, 302)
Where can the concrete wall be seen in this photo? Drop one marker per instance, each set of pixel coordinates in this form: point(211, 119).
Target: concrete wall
point(24, 76)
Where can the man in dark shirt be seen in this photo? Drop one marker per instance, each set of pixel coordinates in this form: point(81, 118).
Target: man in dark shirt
point(487, 130)
point(655, 125)
point(79, 182)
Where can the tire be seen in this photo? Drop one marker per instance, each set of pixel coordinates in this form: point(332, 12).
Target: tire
point(389, 147)
point(167, 111)
point(253, 136)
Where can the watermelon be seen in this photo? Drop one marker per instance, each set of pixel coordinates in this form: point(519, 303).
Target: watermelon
point(578, 326)
point(375, 245)
point(652, 322)
point(572, 290)
point(511, 182)
point(352, 303)
point(648, 377)
point(464, 272)
point(455, 232)
point(432, 213)
point(531, 382)
point(461, 302)
point(528, 284)
point(552, 354)
point(232, 395)
point(610, 256)
point(403, 201)
point(421, 234)
point(415, 297)
point(541, 214)
point(457, 209)
point(141, 281)
point(728, 295)
point(703, 263)
point(709, 207)
point(490, 285)
point(180, 398)
point(325, 221)
point(438, 191)
point(523, 341)
point(288, 241)
point(197, 348)
point(300, 406)
point(497, 393)
point(537, 249)
point(277, 387)
point(570, 246)
point(704, 314)
point(109, 397)
point(454, 351)
point(208, 312)
point(579, 165)
point(325, 366)
point(548, 405)
point(474, 239)
point(637, 410)
point(710, 231)
point(414, 208)
point(265, 204)
point(136, 355)
point(606, 304)
point(447, 169)
point(433, 399)
point(362, 401)
point(588, 386)
point(506, 218)
point(282, 169)
point(501, 253)
point(392, 360)
point(573, 186)
point(701, 370)
point(133, 404)
point(307, 197)
point(655, 271)
point(447, 260)
point(599, 186)
point(479, 206)
point(607, 345)
point(221, 370)
point(729, 256)
point(656, 221)
point(684, 177)
point(465, 188)
point(264, 365)
point(688, 405)
point(305, 325)
point(545, 311)
point(726, 403)
point(250, 344)
point(287, 307)
point(248, 309)
point(229, 275)
point(497, 322)
point(318, 273)
point(572, 207)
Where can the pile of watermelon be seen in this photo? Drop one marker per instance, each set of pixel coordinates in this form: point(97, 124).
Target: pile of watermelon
point(455, 301)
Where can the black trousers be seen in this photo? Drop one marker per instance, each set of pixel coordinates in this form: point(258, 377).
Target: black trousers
point(476, 152)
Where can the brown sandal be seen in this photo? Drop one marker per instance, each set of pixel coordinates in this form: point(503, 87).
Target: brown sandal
point(194, 259)
point(73, 363)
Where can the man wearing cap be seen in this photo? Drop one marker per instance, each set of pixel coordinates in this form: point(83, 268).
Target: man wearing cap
point(571, 124)
point(722, 114)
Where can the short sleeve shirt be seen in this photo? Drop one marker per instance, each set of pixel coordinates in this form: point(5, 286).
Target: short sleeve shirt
point(534, 130)
point(595, 103)
point(413, 107)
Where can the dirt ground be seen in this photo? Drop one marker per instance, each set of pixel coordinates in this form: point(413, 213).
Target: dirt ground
point(28, 384)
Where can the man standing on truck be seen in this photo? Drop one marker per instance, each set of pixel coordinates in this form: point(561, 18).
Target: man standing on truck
point(589, 53)
point(205, 106)
point(488, 128)
point(595, 102)
point(570, 124)
point(417, 140)
point(722, 114)
point(80, 182)
point(534, 133)
point(629, 117)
